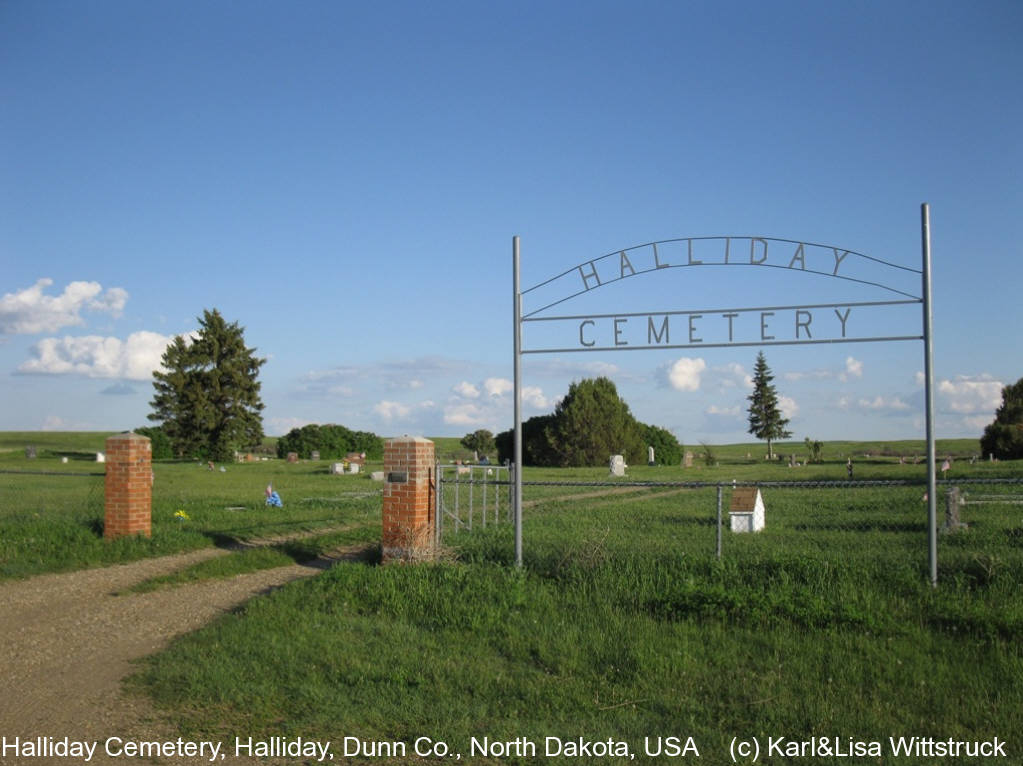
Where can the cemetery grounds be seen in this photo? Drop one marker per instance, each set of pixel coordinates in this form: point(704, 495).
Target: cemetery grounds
point(623, 623)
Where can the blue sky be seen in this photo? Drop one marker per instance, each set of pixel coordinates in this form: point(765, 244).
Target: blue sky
point(344, 180)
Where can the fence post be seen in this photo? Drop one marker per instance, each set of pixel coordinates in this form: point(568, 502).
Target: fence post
point(438, 513)
point(407, 535)
point(719, 521)
point(128, 507)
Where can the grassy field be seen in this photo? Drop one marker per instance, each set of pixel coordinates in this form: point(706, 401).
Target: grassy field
point(622, 625)
point(51, 512)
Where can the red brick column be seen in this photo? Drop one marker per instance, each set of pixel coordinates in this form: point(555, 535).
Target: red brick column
point(129, 486)
point(408, 523)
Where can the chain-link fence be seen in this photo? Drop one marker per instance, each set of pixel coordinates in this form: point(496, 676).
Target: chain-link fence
point(870, 521)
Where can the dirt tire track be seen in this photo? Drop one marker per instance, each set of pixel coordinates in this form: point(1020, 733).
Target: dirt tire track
point(67, 641)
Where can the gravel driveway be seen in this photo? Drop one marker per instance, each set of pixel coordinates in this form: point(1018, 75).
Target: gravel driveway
point(68, 640)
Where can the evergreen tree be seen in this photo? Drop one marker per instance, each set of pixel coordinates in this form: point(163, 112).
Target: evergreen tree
point(207, 399)
point(765, 418)
point(1003, 438)
point(592, 423)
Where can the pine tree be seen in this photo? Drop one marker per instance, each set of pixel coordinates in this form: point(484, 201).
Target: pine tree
point(207, 399)
point(1003, 437)
point(765, 418)
point(592, 423)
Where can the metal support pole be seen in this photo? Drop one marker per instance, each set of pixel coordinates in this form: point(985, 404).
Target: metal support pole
point(436, 505)
point(932, 490)
point(517, 458)
point(719, 521)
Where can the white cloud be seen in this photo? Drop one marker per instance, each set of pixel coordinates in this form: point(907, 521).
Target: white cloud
point(733, 374)
point(853, 368)
point(809, 375)
point(883, 404)
point(466, 390)
point(532, 396)
point(57, 423)
point(787, 405)
point(684, 374)
point(468, 414)
point(30, 311)
point(279, 426)
point(498, 386)
point(390, 410)
point(971, 394)
point(978, 423)
point(732, 412)
point(94, 356)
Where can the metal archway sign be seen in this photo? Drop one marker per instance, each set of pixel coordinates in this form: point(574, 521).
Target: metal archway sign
point(805, 324)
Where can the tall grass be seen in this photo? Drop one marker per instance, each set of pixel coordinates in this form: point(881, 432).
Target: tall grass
point(623, 624)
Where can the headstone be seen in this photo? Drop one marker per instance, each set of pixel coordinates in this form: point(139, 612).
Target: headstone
point(30, 452)
point(377, 476)
point(617, 465)
point(688, 460)
point(337, 468)
point(314, 455)
point(292, 457)
point(100, 457)
point(953, 502)
point(353, 468)
point(650, 456)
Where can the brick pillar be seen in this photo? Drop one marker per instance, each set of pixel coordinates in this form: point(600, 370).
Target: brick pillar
point(129, 486)
point(408, 523)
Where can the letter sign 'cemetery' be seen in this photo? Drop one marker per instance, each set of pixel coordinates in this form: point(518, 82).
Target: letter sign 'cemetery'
point(724, 326)
point(879, 301)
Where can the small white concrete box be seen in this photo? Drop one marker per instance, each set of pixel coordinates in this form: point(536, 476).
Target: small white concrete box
point(746, 513)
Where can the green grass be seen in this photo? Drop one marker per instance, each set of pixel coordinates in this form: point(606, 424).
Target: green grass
point(51, 523)
point(54, 441)
point(623, 624)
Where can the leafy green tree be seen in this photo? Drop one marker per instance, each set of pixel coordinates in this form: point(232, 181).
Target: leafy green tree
point(667, 449)
point(1003, 438)
point(158, 441)
point(765, 418)
point(536, 443)
point(207, 396)
point(481, 442)
point(331, 441)
point(592, 423)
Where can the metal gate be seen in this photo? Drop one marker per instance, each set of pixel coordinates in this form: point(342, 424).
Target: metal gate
point(471, 494)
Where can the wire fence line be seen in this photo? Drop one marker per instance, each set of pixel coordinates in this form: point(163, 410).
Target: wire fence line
point(869, 517)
